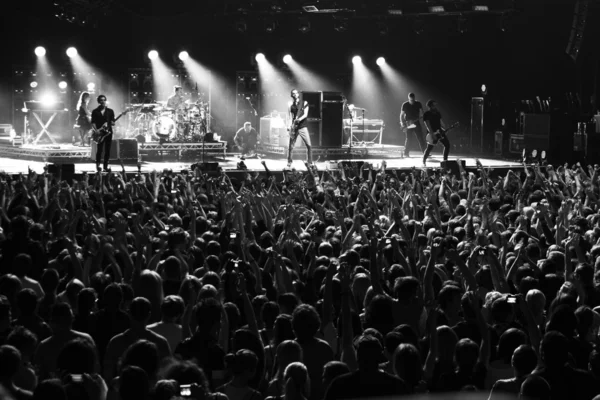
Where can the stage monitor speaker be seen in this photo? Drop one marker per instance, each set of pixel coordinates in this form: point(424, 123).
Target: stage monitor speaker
point(332, 124)
point(536, 125)
point(128, 150)
point(314, 100)
point(125, 150)
point(452, 165)
point(206, 166)
point(66, 171)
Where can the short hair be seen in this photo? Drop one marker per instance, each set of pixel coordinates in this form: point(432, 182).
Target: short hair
point(22, 339)
point(10, 361)
point(176, 88)
point(411, 95)
point(61, 314)
point(78, 357)
point(133, 383)
point(305, 322)
point(431, 103)
point(142, 354)
point(172, 307)
point(535, 387)
point(140, 309)
point(99, 97)
point(247, 123)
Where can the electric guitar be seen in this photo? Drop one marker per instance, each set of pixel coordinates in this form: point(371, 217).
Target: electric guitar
point(434, 138)
point(99, 134)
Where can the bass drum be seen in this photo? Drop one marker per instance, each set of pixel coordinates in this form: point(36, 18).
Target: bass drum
point(164, 127)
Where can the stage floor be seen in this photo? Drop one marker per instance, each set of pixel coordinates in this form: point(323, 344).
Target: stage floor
point(230, 161)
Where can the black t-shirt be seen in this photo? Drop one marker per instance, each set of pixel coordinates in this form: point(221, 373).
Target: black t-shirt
point(434, 118)
point(412, 111)
point(297, 110)
point(357, 385)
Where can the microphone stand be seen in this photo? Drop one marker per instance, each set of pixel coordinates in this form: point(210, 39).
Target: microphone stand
point(363, 125)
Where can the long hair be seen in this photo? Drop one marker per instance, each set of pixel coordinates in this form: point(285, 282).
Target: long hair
point(81, 100)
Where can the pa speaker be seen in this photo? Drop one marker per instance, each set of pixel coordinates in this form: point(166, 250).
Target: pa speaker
point(65, 171)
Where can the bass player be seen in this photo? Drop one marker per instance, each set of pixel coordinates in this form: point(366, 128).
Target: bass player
point(436, 129)
point(297, 114)
point(410, 117)
point(103, 120)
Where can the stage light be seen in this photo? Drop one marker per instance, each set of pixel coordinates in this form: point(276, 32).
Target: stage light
point(304, 25)
point(62, 85)
point(71, 52)
point(483, 90)
point(47, 99)
point(260, 57)
point(33, 84)
point(356, 60)
point(153, 54)
point(184, 55)
point(481, 8)
point(287, 59)
point(91, 86)
point(40, 51)
point(380, 61)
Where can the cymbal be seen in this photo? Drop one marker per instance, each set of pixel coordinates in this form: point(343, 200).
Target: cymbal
point(158, 109)
point(168, 109)
point(162, 102)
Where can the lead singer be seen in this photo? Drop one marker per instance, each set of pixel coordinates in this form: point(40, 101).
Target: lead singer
point(297, 114)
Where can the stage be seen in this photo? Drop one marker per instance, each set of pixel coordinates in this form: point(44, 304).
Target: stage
point(15, 160)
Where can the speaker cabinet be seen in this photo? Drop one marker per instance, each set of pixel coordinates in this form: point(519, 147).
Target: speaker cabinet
point(314, 100)
point(452, 165)
point(332, 124)
point(499, 147)
point(66, 171)
point(516, 144)
point(125, 150)
point(536, 124)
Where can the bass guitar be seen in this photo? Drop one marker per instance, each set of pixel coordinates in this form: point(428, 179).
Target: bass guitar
point(434, 138)
point(99, 134)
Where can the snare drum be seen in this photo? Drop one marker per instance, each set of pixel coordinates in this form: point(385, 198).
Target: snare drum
point(164, 127)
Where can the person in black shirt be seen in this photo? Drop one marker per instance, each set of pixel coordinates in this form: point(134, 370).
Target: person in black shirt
point(410, 116)
point(246, 139)
point(100, 116)
point(297, 114)
point(433, 122)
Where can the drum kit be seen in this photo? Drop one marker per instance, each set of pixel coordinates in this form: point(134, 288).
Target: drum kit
point(157, 122)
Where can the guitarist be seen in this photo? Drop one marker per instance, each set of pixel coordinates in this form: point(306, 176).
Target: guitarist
point(103, 119)
point(297, 114)
point(410, 116)
point(437, 128)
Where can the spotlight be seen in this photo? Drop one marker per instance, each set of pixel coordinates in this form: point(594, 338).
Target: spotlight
point(287, 59)
point(356, 60)
point(380, 61)
point(270, 26)
point(71, 52)
point(40, 51)
point(153, 54)
point(33, 84)
point(241, 26)
point(184, 55)
point(304, 26)
point(483, 90)
point(382, 28)
point(62, 85)
point(260, 57)
point(91, 86)
point(48, 99)
point(341, 25)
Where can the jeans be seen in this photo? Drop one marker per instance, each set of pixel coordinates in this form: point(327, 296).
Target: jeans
point(104, 147)
point(411, 135)
point(302, 133)
point(445, 142)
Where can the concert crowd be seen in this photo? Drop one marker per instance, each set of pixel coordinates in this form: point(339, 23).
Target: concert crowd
point(353, 282)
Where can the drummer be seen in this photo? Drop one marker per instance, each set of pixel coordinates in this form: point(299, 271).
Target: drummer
point(176, 100)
